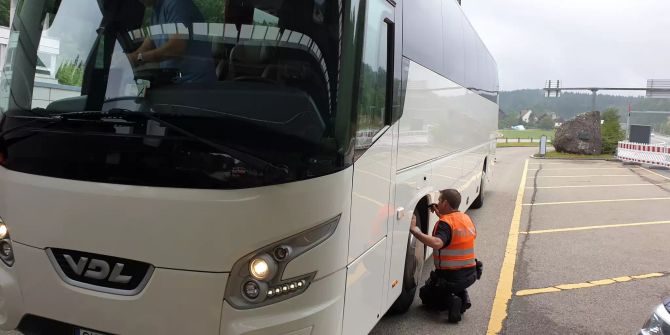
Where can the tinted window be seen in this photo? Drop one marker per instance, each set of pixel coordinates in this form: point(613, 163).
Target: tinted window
point(372, 109)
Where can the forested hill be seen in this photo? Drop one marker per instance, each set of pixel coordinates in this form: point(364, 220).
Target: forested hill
point(571, 104)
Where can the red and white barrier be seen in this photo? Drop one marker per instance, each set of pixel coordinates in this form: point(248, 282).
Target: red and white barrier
point(644, 153)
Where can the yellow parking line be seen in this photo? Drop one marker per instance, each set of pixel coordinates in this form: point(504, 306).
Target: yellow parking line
point(622, 225)
point(593, 201)
point(595, 186)
point(593, 283)
point(506, 279)
point(537, 291)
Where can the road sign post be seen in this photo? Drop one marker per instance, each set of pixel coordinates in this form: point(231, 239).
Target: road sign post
point(543, 145)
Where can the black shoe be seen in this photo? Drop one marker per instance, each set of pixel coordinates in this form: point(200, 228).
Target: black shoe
point(466, 304)
point(455, 309)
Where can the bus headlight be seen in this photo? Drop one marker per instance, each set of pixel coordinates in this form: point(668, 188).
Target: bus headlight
point(6, 249)
point(3, 230)
point(256, 279)
point(262, 267)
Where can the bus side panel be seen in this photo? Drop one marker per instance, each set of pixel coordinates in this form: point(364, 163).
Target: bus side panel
point(363, 298)
point(411, 185)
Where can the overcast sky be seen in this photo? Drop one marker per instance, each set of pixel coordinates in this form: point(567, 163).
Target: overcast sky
point(580, 42)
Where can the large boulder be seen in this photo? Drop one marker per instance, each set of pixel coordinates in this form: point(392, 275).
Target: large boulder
point(580, 136)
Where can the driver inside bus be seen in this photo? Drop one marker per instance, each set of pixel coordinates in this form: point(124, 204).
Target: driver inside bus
point(190, 57)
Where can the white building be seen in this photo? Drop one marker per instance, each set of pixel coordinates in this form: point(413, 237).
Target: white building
point(525, 115)
point(46, 87)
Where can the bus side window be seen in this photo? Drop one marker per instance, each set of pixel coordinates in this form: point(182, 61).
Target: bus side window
point(373, 107)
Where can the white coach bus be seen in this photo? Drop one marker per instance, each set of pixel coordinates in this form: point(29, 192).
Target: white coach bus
point(252, 169)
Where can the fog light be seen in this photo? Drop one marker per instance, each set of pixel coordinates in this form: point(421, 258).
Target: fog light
point(6, 252)
point(251, 290)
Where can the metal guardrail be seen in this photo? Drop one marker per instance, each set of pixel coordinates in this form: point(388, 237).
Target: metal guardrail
point(520, 140)
point(652, 154)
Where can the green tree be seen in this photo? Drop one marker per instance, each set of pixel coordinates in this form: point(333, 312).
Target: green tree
point(212, 10)
point(511, 119)
point(611, 131)
point(546, 122)
point(71, 73)
point(4, 13)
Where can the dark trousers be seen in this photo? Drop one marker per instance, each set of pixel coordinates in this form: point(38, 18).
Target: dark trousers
point(442, 284)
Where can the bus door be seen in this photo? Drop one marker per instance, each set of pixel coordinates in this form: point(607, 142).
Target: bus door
point(372, 208)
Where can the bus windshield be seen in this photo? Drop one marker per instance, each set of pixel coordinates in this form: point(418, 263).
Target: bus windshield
point(176, 93)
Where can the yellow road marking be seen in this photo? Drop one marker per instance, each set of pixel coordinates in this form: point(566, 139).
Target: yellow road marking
point(538, 291)
point(649, 275)
point(593, 201)
point(621, 225)
point(595, 186)
point(593, 283)
point(658, 174)
point(506, 279)
point(574, 286)
point(588, 175)
point(622, 279)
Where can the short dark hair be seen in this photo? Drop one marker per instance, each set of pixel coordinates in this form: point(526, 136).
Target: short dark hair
point(453, 197)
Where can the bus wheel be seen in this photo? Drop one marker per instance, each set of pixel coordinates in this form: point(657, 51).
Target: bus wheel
point(414, 259)
point(479, 202)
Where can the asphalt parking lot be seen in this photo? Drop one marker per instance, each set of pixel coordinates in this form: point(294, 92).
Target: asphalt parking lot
point(592, 251)
point(586, 252)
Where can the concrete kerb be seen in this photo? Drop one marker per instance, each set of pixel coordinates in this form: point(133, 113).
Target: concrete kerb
point(575, 159)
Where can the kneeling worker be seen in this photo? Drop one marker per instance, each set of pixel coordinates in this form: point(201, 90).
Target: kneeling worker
point(453, 243)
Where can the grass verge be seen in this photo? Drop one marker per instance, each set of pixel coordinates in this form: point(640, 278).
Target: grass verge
point(530, 133)
point(516, 144)
point(562, 155)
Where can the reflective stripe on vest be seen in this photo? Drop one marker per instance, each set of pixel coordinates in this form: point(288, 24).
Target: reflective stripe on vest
point(460, 253)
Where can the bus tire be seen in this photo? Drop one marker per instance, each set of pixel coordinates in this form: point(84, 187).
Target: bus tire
point(479, 201)
point(414, 259)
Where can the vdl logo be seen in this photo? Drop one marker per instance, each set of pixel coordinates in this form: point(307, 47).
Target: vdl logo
point(98, 269)
point(100, 272)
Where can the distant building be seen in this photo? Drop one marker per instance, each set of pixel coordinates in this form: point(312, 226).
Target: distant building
point(526, 115)
point(47, 60)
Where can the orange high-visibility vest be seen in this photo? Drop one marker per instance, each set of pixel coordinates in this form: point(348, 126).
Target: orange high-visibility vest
point(460, 253)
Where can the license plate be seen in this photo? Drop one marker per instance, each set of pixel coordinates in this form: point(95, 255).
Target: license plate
point(80, 331)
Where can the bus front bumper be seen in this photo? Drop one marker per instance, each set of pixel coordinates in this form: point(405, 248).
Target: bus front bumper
point(173, 302)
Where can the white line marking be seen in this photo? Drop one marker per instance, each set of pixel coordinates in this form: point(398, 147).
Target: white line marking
point(621, 225)
point(589, 176)
point(593, 201)
point(658, 174)
point(589, 168)
point(595, 186)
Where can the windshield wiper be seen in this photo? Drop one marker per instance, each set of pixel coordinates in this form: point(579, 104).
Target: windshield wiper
point(39, 116)
point(120, 112)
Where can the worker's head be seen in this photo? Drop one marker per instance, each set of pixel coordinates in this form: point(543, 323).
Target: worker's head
point(449, 201)
point(149, 3)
